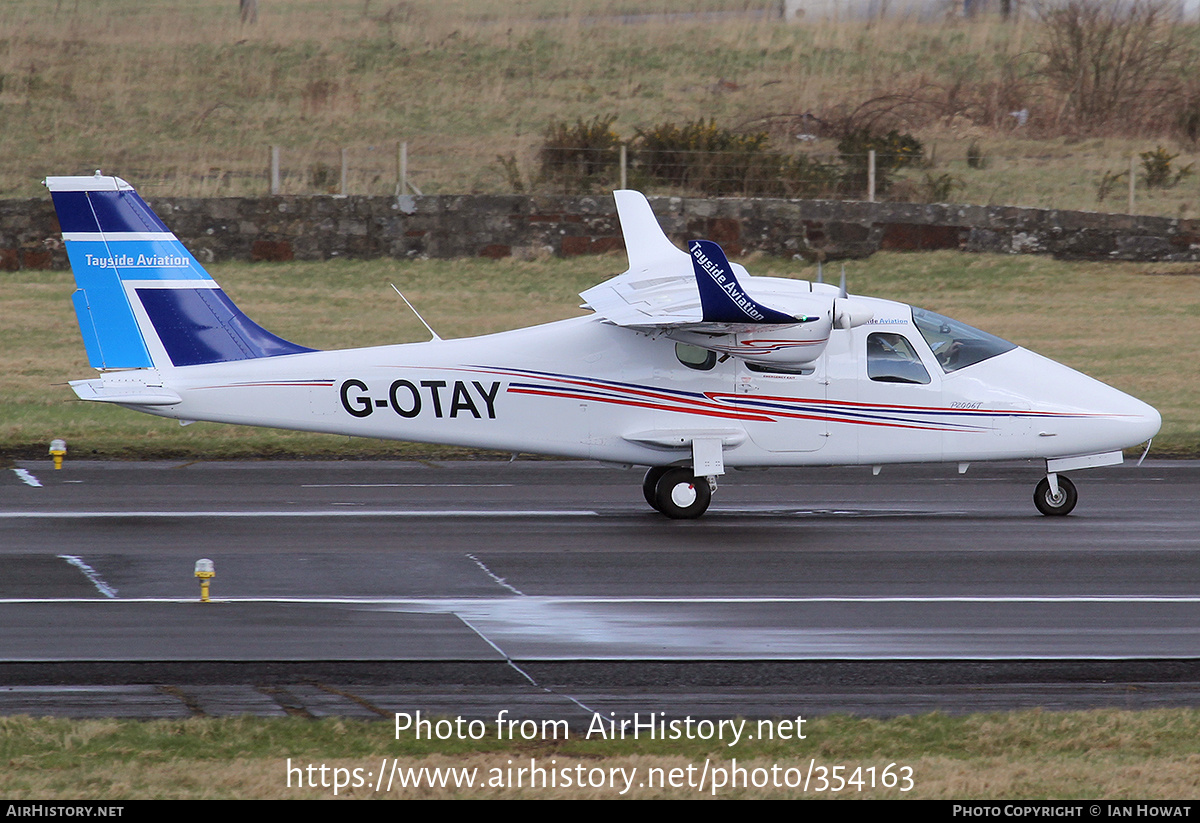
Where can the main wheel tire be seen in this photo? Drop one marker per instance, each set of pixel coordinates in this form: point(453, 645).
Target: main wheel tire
point(682, 496)
point(650, 485)
point(1055, 506)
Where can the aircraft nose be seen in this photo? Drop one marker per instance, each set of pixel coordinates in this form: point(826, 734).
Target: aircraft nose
point(1084, 415)
point(1144, 421)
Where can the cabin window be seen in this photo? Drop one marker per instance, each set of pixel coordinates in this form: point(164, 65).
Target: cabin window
point(892, 359)
point(695, 357)
point(957, 345)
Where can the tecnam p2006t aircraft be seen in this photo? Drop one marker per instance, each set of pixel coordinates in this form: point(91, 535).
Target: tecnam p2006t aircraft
point(687, 365)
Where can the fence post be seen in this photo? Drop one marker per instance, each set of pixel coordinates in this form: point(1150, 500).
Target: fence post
point(401, 162)
point(1132, 178)
point(344, 168)
point(402, 167)
point(624, 168)
point(871, 176)
point(275, 170)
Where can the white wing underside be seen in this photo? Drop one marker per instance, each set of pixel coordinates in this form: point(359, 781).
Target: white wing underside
point(637, 301)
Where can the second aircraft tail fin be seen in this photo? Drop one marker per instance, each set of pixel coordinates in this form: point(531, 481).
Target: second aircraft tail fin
point(721, 295)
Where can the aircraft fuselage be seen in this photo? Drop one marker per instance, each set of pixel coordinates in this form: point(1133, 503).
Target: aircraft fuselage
point(628, 398)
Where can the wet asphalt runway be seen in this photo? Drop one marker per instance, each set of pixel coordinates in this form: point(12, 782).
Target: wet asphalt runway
point(357, 588)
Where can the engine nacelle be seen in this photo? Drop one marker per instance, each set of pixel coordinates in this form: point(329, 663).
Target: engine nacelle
point(777, 345)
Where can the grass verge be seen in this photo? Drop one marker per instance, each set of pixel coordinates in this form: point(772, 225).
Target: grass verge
point(1015, 756)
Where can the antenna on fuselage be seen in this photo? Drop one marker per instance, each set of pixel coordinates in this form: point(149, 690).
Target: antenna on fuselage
point(414, 311)
point(820, 273)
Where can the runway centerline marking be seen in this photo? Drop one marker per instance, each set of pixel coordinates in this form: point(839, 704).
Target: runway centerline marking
point(81, 515)
point(450, 603)
point(406, 485)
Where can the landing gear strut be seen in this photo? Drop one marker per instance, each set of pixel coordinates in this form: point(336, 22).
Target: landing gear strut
point(676, 492)
point(1055, 496)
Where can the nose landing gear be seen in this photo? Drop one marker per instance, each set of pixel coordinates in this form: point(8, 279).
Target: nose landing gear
point(1055, 496)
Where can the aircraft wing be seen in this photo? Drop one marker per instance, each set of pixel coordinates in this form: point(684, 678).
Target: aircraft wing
point(639, 301)
point(659, 288)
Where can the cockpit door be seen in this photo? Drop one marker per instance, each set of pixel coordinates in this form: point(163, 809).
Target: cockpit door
point(900, 411)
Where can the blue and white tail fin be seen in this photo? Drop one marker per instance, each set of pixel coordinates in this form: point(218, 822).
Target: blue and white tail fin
point(143, 301)
point(722, 297)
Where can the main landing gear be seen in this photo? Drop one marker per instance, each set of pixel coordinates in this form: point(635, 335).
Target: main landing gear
point(676, 492)
point(1055, 496)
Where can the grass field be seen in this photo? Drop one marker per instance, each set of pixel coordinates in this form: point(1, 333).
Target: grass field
point(1124, 323)
point(1023, 755)
point(181, 98)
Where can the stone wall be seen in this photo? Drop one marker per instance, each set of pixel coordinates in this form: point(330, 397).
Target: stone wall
point(450, 226)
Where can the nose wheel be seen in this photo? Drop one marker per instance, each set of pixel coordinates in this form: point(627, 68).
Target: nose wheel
point(676, 492)
point(1055, 502)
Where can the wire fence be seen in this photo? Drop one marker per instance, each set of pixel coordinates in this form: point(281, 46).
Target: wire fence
point(1144, 181)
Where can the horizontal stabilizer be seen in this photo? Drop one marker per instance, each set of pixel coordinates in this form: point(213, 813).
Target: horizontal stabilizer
point(126, 395)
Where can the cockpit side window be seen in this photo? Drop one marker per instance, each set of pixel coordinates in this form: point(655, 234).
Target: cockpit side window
point(695, 357)
point(957, 345)
point(892, 359)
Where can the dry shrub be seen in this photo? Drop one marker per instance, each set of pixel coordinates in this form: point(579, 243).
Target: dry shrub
point(580, 157)
point(989, 101)
point(893, 151)
point(703, 157)
point(1115, 62)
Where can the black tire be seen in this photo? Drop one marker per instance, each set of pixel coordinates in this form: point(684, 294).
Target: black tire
point(650, 485)
point(1052, 506)
point(682, 496)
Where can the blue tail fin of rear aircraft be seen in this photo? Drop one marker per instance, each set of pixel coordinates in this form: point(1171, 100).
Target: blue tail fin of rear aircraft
point(722, 298)
point(143, 301)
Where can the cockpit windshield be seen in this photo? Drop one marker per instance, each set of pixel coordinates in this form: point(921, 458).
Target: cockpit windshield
point(957, 345)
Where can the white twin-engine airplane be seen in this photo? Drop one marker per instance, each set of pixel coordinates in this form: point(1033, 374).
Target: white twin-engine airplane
point(688, 365)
